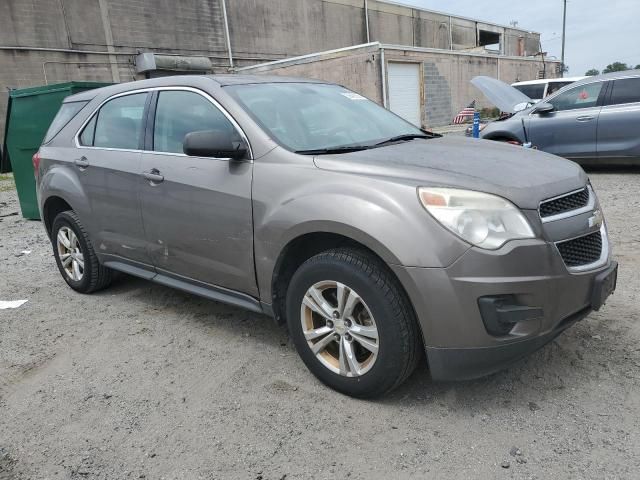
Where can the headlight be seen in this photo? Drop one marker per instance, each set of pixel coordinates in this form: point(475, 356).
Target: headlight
point(484, 220)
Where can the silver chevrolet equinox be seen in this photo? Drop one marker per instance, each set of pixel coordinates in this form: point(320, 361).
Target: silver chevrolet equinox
point(375, 241)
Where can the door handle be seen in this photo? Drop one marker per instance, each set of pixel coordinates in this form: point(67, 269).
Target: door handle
point(153, 176)
point(81, 162)
point(585, 118)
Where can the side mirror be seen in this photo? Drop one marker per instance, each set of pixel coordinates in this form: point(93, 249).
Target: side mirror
point(543, 108)
point(214, 143)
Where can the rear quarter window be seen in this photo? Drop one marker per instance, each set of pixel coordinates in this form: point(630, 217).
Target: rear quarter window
point(63, 117)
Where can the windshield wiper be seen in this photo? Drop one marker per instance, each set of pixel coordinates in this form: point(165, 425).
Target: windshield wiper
point(330, 150)
point(356, 148)
point(399, 138)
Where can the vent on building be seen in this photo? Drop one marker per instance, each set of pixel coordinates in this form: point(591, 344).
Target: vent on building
point(152, 62)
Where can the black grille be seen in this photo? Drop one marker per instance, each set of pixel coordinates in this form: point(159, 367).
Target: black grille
point(567, 203)
point(581, 251)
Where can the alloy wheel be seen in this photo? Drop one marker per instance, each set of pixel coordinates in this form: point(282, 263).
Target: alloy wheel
point(339, 328)
point(70, 253)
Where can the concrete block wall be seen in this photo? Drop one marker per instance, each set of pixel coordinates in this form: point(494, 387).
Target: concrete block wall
point(447, 79)
point(437, 96)
point(78, 31)
point(35, 23)
point(186, 27)
point(21, 68)
point(178, 25)
point(285, 28)
point(430, 29)
point(359, 71)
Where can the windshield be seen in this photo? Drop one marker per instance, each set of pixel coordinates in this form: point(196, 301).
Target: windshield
point(307, 117)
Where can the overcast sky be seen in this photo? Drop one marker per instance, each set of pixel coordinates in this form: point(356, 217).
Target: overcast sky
point(598, 33)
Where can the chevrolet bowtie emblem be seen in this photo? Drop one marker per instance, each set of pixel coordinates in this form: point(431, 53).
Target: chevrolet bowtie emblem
point(596, 220)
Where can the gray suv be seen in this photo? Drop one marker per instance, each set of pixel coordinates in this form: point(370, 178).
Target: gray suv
point(373, 240)
point(594, 120)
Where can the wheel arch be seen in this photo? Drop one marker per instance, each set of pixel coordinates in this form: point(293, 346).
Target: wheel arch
point(502, 136)
point(60, 189)
point(52, 207)
point(305, 245)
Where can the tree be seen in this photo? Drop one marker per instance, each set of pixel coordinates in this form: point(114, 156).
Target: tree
point(592, 72)
point(616, 67)
point(637, 67)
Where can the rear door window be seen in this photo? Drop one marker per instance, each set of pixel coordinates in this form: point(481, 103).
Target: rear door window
point(582, 96)
point(181, 112)
point(624, 91)
point(118, 124)
point(65, 114)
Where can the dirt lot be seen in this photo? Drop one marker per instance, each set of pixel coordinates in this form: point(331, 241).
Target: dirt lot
point(140, 381)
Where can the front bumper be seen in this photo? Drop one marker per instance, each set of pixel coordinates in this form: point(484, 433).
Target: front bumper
point(530, 273)
point(469, 363)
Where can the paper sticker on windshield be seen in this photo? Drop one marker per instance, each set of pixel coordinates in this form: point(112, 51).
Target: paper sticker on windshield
point(353, 96)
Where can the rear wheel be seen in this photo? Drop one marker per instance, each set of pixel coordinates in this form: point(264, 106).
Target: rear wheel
point(352, 324)
point(75, 256)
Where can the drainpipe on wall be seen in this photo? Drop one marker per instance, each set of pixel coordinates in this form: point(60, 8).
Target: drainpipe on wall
point(450, 33)
point(366, 18)
point(383, 78)
point(226, 32)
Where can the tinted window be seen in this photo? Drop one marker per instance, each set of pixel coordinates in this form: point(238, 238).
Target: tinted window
point(181, 112)
point(86, 138)
point(583, 96)
point(535, 92)
point(555, 86)
point(625, 91)
point(307, 116)
point(119, 123)
point(65, 114)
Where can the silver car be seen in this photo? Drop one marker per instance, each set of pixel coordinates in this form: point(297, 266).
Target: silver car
point(374, 241)
point(594, 120)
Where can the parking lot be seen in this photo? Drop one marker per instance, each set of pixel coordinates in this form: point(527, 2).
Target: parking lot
point(140, 381)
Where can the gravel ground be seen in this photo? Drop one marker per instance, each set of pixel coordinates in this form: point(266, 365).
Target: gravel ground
point(140, 381)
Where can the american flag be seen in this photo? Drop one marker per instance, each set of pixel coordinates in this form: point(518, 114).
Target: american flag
point(465, 113)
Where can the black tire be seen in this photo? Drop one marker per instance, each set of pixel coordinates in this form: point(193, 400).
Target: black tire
point(94, 276)
point(400, 340)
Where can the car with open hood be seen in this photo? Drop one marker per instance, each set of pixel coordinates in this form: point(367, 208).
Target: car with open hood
point(593, 120)
point(536, 90)
point(380, 245)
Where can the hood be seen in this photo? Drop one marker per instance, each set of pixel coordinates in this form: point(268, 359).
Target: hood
point(523, 176)
point(503, 96)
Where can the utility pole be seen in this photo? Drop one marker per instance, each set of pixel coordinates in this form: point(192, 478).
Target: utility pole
point(564, 34)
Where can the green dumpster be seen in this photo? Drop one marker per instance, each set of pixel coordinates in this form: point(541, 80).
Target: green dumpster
point(29, 113)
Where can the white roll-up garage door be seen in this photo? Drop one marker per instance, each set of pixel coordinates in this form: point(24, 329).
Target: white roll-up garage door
point(404, 90)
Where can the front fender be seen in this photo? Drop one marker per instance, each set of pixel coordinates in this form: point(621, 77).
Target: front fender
point(510, 128)
point(383, 215)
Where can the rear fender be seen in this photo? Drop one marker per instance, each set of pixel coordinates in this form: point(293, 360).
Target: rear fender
point(60, 181)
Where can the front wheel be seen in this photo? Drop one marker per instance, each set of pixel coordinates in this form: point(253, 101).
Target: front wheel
point(352, 324)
